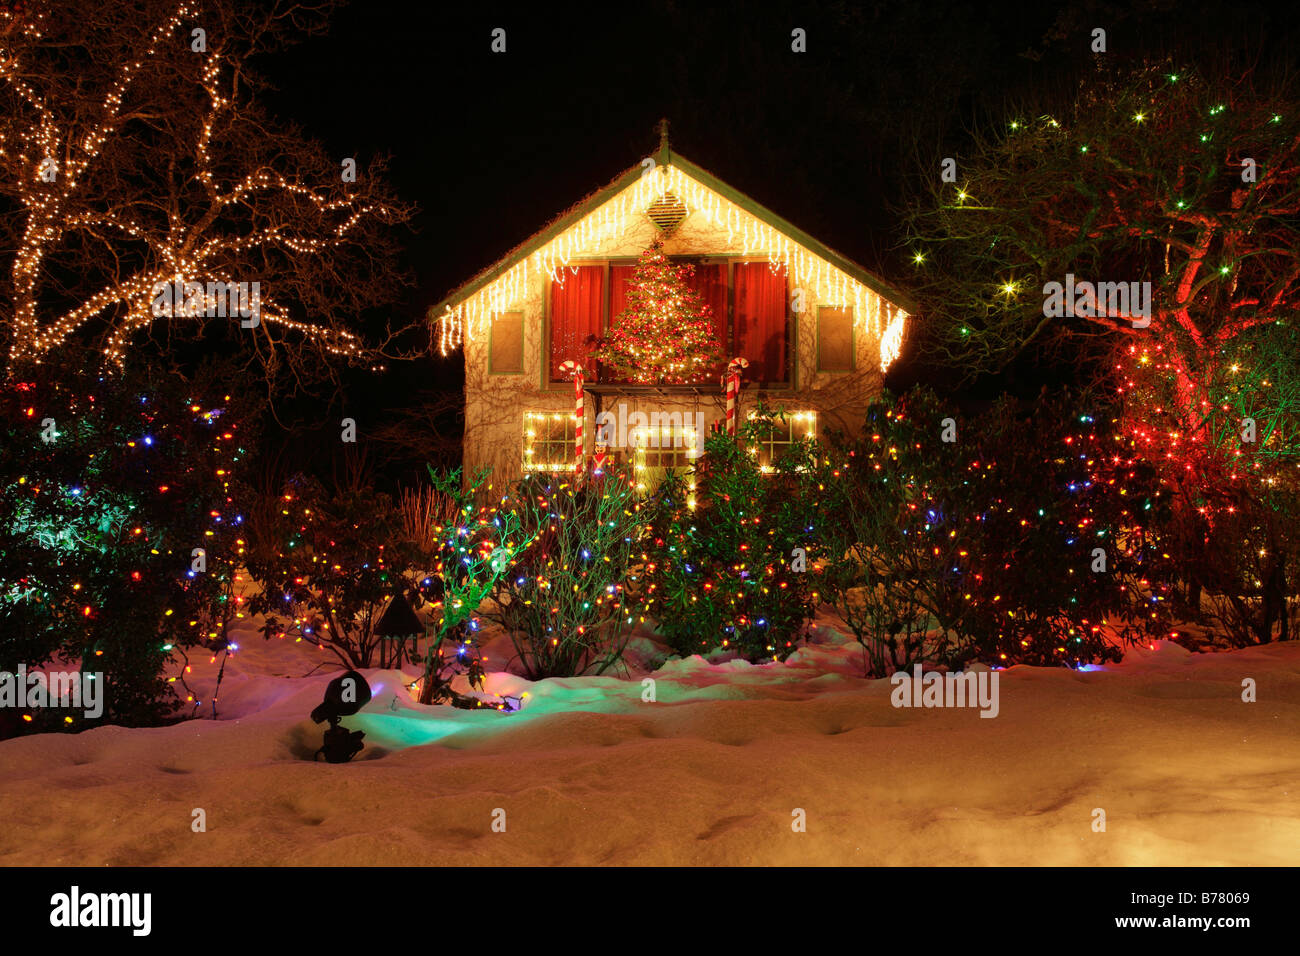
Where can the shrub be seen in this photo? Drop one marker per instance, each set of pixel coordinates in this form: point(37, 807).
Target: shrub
point(565, 599)
point(342, 555)
point(735, 571)
point(990, 539)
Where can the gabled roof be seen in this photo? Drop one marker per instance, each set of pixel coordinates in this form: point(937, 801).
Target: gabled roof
point(666, 157)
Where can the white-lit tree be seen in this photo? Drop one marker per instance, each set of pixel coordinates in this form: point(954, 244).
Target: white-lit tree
point(133, 152)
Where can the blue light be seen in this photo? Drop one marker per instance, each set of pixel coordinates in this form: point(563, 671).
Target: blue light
point(148, 440)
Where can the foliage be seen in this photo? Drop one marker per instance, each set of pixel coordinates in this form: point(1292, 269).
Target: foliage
point(99, 525)
point(474, 549)
point(565, 600)
point(1235, 480)
point(342, 555)
point(734, 572)
point(989, 539)
point(1126, 185)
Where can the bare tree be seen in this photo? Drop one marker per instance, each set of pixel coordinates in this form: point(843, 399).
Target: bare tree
point(134, 158)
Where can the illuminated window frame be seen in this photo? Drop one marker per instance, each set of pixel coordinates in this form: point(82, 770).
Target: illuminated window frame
point(797, 425)
point(550, 441)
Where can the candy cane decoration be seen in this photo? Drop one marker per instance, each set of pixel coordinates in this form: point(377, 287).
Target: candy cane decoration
point(579, 409)
point(732, 383)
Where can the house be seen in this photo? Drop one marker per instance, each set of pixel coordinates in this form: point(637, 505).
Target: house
point(817, 330)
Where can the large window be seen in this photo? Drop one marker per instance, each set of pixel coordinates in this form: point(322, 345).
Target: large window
point(749, 301)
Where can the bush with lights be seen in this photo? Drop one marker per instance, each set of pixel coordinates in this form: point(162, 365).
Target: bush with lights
point(1234, 480)
point(121, 535)
point(566, 598)
point(1023, 540)
point(737, 570)
point(467, 554)
point(342, 556)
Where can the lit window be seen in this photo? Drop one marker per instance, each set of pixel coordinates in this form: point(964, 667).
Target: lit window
point(783, 433)
point(550, 442)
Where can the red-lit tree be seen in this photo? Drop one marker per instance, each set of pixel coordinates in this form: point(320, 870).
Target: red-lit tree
point(1156, 176)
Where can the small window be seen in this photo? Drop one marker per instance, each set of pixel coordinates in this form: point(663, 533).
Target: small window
point(834, 339)
point(550, 442)
point(776, 442)
point(506, 352)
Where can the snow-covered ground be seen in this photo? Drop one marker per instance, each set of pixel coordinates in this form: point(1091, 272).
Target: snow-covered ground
point(709, 773)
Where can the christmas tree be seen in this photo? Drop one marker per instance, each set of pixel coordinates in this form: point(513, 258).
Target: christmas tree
point(665, 334)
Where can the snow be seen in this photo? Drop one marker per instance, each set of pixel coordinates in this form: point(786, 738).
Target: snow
point(710, 773)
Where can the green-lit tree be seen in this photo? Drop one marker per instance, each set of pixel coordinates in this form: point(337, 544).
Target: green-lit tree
point(566, 600)
point(121, 530)
point(738, 569)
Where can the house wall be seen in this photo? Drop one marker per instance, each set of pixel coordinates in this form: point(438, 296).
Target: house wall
point(495, 403)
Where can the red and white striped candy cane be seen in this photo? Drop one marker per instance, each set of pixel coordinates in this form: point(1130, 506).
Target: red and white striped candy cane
point(732, 383)
point(579, 409)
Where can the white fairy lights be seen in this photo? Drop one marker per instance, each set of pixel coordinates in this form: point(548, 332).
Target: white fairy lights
point(181, 254)
point(612, 219)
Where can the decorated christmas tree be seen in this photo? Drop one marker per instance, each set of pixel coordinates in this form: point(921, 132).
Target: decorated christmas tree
point(665, 335)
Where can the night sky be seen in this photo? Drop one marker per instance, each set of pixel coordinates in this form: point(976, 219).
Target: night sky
point(493, 146)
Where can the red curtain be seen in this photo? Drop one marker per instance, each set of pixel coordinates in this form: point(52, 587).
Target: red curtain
point(575, 316)
point(761, 320)
point(711, 283)
point(619, 278)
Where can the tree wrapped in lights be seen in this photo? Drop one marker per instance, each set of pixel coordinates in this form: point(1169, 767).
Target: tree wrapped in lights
point(665, 335)
point(566, 600)
point(1191, 184)
point(737, 571)
point(1239, 479)
point(133, 158)
point(121, 530)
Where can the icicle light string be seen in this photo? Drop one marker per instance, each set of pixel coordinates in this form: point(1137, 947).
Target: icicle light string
point(612, 219)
